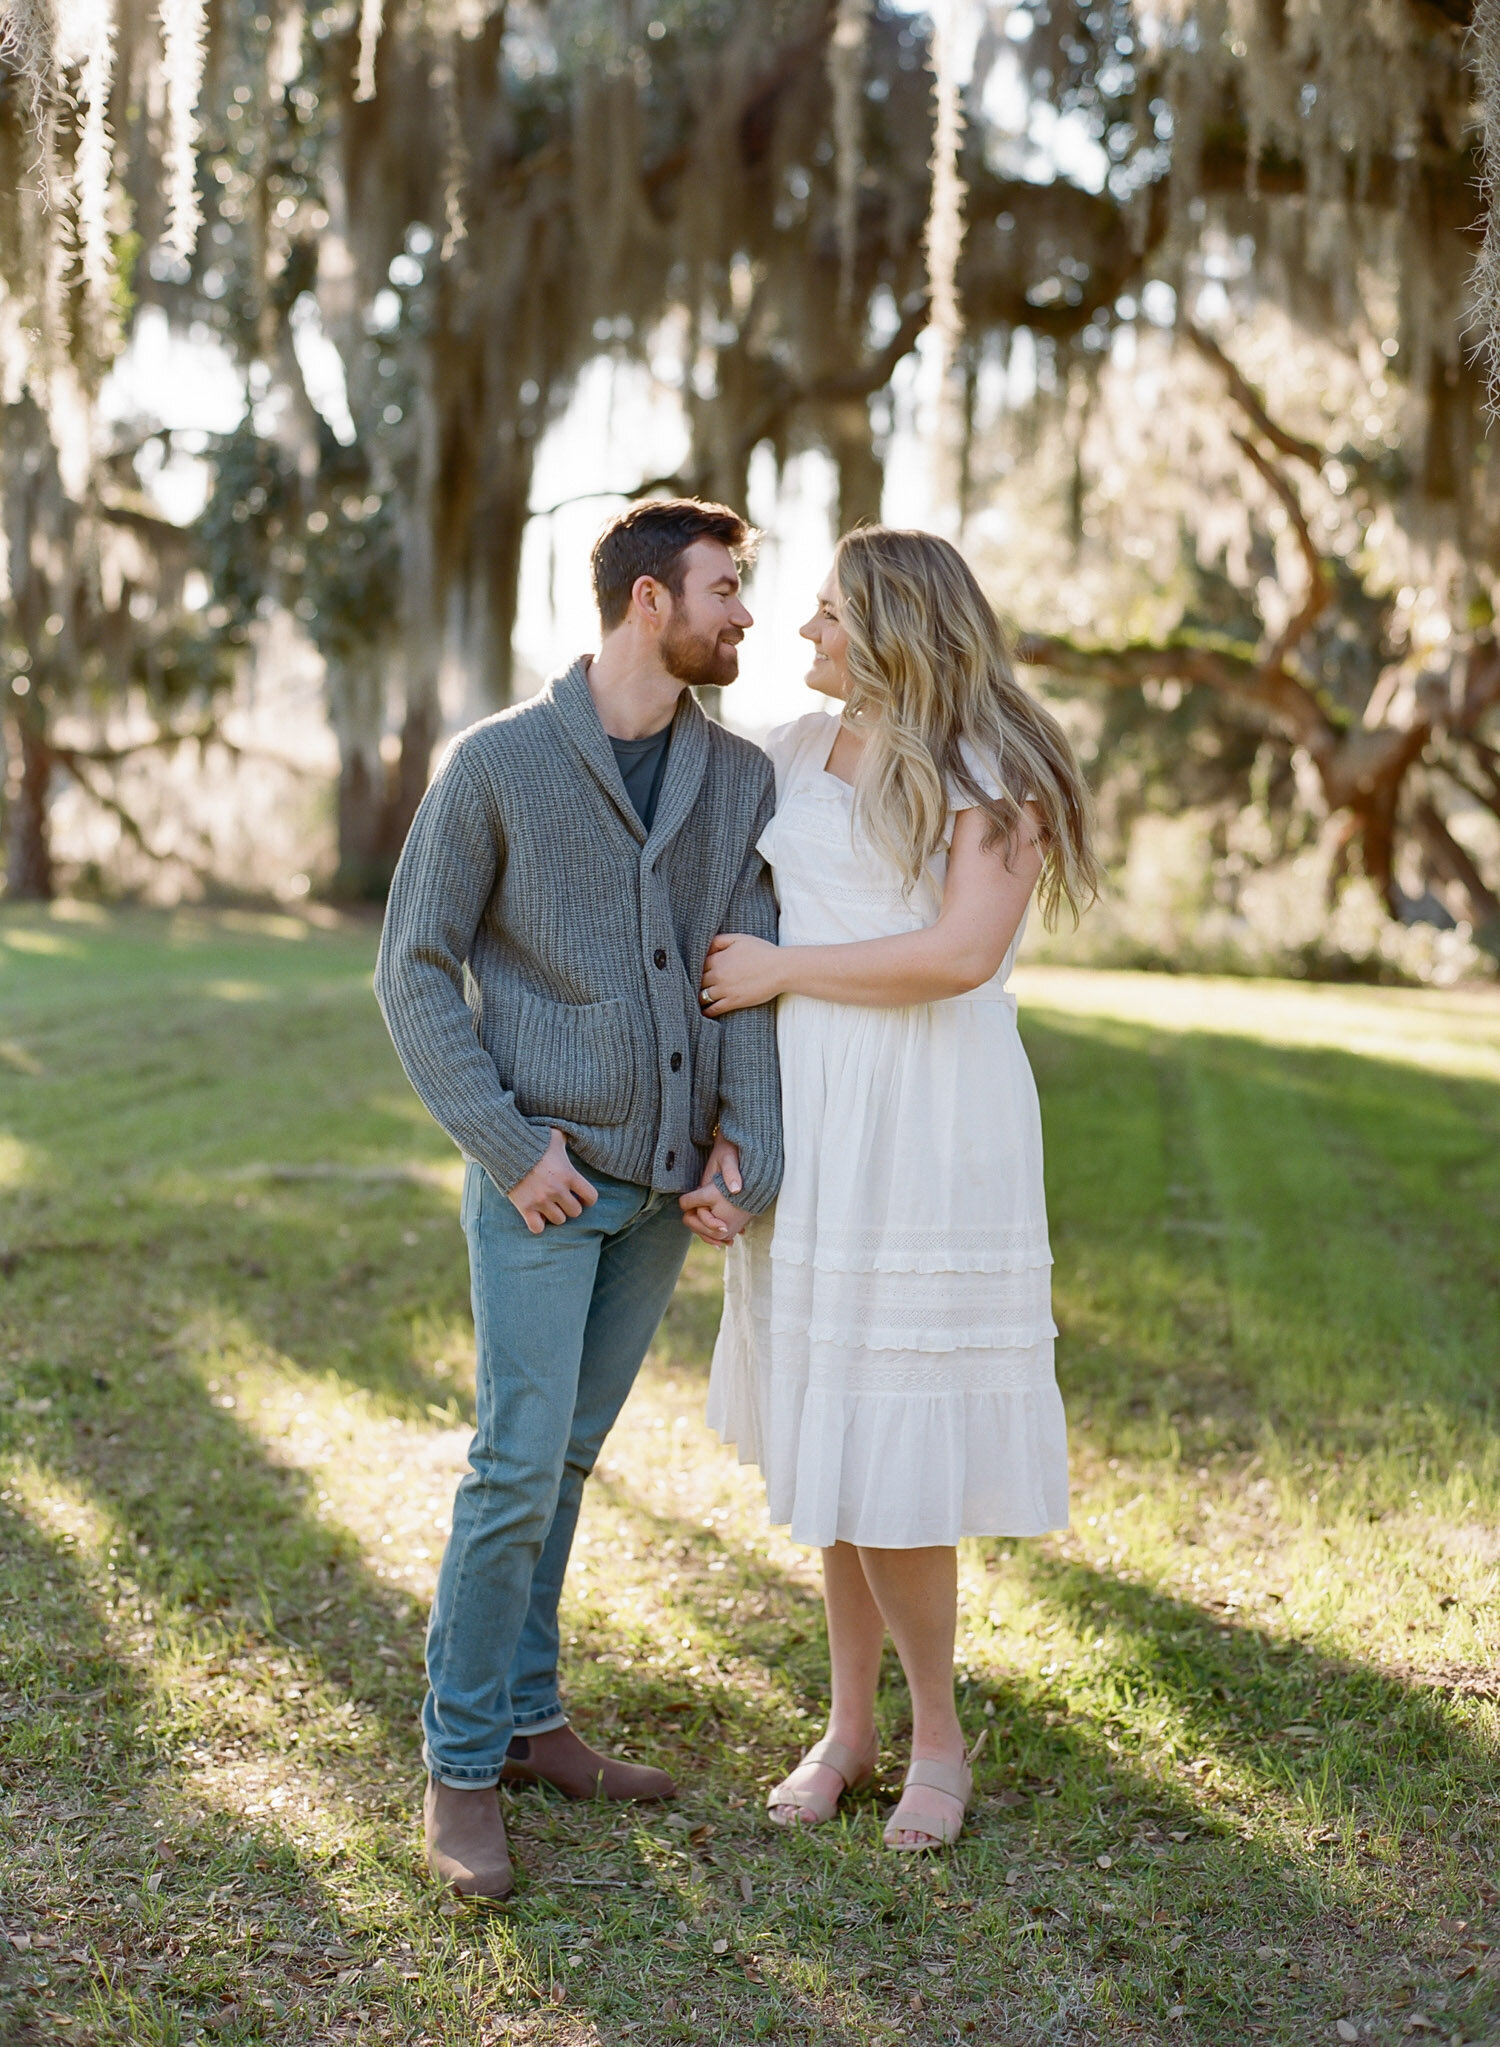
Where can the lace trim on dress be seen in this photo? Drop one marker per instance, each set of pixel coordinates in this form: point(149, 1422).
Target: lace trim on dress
point(880, 1248)
point(901, 1336)
point(924, 1264)
point(903, 1295)
point(959, 1378)
point(903, 1307)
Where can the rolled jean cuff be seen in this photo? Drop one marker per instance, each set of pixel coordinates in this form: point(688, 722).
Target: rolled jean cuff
point(541, 1723)
point(480, 1777)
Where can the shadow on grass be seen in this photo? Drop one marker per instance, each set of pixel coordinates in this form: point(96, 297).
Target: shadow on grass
point(1269, 1237)
point(1271, 1227)
point(1049, 1945)
point(1346, 1865)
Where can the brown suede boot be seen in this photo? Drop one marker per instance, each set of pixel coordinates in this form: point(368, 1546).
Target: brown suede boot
point(569, 1765)
point(466, 1846)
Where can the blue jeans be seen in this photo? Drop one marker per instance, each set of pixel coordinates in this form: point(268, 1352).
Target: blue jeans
point(561, 1324)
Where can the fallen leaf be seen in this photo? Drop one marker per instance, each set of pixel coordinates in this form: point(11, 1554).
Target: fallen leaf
point(721, 1947)
point(558, 1993)
point(1176, 2011)
point(1178, 1836)
point(153, 1882)
point(1346, 2031)
point(1420, 2023)
point(747, 1889)
point(21, 1941)
point(704, 1833)
point(1104, 1861)
point(1009, 1798)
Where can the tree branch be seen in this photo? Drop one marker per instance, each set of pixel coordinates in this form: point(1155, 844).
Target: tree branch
point(1454, 864)
point(675, 484)
point(73, 762)
point(860, 382)
point(1258, 686)
point(1250, 402)
point(1487, 760)
point(1316, 600)
point(1488, 798)
point(206, 734)
point(1481, 689)
point(150, 525)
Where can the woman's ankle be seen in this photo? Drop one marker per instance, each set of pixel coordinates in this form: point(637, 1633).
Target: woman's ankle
point(939, 1741)
point(853, 1732)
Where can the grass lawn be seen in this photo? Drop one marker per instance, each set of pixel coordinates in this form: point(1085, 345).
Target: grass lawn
point(1241, 1782)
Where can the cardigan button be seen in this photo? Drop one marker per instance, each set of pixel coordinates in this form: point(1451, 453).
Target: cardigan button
point(659, 957)
point(671, 1160)
point(675, 1062)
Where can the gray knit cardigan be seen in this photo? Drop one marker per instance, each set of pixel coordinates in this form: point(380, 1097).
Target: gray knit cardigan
point(583, 937)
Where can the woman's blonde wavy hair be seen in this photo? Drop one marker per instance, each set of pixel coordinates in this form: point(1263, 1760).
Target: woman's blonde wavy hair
point(929, 672)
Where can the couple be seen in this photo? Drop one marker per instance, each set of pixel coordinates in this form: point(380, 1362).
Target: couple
point(581, 972)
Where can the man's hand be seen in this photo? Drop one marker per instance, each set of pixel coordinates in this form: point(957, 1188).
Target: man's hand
point(740, 973)
point(706, 1211)
point(553, 1190)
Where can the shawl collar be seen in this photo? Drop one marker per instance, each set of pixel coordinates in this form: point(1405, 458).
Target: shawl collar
point(687, 756)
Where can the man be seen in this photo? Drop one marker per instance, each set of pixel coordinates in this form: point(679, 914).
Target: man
point(576, 854)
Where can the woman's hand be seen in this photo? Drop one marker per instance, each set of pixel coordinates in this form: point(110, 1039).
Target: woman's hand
point(740, 973)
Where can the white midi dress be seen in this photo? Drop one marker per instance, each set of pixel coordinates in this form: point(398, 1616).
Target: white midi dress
point(885, 1354)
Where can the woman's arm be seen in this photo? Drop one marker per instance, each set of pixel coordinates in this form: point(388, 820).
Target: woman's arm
point(983, 903)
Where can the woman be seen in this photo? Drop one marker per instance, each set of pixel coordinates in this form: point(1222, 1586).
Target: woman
point(886, 1349)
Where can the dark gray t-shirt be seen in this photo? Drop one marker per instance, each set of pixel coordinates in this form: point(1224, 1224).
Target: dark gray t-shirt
point(642, 763)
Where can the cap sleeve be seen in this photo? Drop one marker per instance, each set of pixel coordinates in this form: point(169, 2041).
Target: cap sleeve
point(789, 746)
point(983, 773)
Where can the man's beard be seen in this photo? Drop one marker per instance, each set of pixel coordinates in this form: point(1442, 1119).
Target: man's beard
point(693, 658)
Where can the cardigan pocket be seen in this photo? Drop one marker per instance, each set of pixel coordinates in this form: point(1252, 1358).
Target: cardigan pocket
point(571, 1061)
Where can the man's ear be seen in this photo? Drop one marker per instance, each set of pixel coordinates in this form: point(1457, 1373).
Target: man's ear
point(652, 599)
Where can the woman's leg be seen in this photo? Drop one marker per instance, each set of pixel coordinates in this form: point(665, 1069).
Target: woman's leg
point(916, 1590)
point(856, 1638)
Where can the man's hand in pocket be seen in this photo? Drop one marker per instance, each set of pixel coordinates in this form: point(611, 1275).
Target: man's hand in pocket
point(553, 1190)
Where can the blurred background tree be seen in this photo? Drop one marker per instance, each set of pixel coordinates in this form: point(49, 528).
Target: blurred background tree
point(1190, 294)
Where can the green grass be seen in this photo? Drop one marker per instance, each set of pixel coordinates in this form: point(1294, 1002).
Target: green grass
point(1241, 1779)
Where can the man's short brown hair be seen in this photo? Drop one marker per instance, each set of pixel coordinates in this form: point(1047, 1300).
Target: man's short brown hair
point(651, 540)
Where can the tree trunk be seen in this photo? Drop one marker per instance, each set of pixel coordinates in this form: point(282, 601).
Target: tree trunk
point(423, 638)
point(846, 430)
point(356, 703)
point(28, 869)
point(1451, 862)
point(408, 785)
point(493, 594)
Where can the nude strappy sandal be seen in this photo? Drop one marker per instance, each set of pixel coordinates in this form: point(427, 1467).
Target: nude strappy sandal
point(797, 1797)
point(957, 1780)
